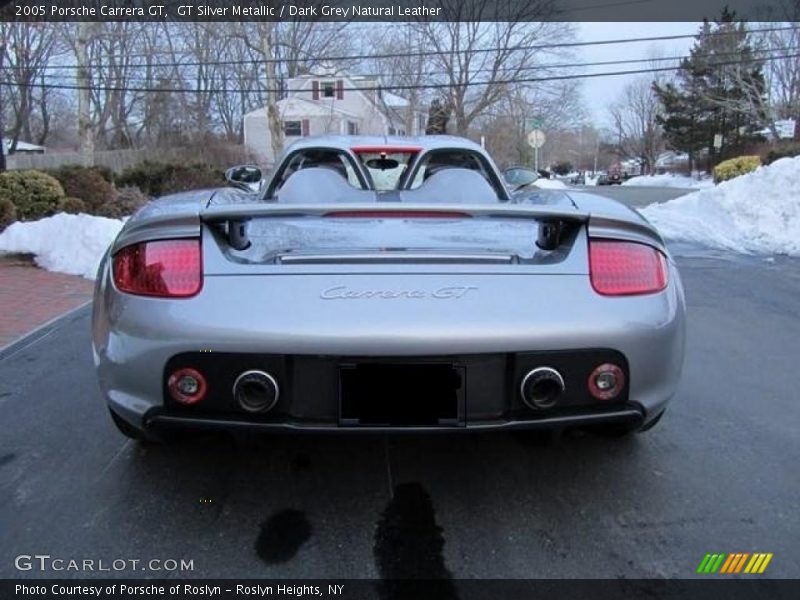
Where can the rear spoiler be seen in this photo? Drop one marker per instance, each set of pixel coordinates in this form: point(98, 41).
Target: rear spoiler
point(552, 221)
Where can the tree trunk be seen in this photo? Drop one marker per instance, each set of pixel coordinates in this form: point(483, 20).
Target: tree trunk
point(85, 134)
point(273, 117)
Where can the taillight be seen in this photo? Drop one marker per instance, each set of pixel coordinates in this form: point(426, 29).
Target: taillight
point(162, 268)
point(626, 268)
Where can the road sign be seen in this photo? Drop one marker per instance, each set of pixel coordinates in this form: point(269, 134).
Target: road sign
point(717, 140)
point(536, 138)
point(534, 123)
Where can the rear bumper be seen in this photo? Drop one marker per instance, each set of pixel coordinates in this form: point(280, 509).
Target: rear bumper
point(631, 415)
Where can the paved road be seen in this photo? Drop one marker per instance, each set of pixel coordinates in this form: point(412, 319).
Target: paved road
point(635, 196)
point(719, 474)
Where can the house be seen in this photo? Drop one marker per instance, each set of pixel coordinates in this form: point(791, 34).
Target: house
point(332, 102)
point(22, 147)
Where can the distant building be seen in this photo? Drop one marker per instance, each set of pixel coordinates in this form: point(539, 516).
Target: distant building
point(672, 162)
point(333, 103)
point(23, 148)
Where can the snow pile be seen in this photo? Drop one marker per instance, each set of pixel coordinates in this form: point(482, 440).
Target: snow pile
point(755, 213)
point(549, 184)
point(673, 181)
point(72, 244)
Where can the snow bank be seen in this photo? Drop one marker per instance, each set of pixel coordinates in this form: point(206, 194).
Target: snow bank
point(549, 184)
point(72, 244)
point(755, 213)
point(675, 181)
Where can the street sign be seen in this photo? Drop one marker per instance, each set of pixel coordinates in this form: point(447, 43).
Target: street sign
point(536, 138)
point(534, 123)
point(785, 128)
point(717, 140)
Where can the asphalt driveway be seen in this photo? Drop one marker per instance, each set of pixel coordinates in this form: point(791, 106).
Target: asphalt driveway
point(718, 474)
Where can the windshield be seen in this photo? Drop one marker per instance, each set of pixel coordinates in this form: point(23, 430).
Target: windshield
point(386, 166)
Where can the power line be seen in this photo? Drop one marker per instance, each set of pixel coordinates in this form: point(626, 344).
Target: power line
point(578, 65)
point(395, 55)
point(395, 87)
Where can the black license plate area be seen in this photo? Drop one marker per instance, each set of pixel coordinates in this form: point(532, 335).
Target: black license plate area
point(401, 395)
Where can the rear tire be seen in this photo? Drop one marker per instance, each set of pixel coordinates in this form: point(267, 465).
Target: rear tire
point(127, 429)
point(144, 436)
point(621, 430)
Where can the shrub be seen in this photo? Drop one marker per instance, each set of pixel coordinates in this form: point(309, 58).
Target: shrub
point(784, 152)
point(87, 183)
point(8, 213)
point(33, 193)
point(128, 201)
point(728, 169)
point(160, 179)
point(72, 205)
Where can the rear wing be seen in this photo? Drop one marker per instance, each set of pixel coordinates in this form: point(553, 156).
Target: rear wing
point(552, 221)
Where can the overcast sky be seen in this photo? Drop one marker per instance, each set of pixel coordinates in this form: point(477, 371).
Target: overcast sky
point(599, 92)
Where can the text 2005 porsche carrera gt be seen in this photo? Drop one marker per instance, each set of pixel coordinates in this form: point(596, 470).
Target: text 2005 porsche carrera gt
point(385, 284)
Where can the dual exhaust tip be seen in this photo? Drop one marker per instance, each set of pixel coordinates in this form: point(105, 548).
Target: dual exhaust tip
point(542, 387)
point(256, 391)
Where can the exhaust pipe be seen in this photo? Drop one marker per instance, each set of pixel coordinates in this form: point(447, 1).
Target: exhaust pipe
point(542, 387)
point(256, 391)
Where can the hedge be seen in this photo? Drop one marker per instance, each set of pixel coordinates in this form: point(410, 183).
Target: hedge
point(728, 169)
point(33, 193)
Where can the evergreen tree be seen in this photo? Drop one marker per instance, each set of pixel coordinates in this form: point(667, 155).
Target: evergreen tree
point(719, 90)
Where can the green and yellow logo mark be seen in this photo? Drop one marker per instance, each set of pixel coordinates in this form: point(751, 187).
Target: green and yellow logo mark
point(737, 562)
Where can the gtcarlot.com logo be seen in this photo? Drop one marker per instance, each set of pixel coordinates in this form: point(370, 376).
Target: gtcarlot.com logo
point(46, 562)
point(735, 562)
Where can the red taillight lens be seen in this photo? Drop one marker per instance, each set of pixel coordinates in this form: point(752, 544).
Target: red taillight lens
point(626, 268)
point(163, 268)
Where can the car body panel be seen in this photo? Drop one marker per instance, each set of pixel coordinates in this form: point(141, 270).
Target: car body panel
point(471, 289)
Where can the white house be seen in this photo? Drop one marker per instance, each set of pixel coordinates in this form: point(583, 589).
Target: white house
point(333, 102)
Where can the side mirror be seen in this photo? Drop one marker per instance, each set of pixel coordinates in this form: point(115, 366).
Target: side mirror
point(245, 177)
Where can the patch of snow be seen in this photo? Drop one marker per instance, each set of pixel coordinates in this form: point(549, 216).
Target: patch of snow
point(549, 184)
point(591, 180)
point(72, 244)
point(673, 181)
point(755, 213)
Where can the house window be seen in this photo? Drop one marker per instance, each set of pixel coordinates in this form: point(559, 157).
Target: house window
point(352, 128)
point(328, 89)
point(392, 131)
point(292, 128)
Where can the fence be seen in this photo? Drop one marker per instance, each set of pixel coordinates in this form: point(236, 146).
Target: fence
point(116, 160)
point(220, 156)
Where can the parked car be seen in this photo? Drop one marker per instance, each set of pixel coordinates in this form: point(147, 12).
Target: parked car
point(386, 284)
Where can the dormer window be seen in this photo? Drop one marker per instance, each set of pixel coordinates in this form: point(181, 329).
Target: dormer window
point(328, 89)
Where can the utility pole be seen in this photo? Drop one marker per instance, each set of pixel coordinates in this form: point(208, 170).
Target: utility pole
point(85, 133)
point(268, 38)
point(2, 107)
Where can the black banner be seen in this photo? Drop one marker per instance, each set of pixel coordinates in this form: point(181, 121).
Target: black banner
point(389, 10)
point(441, 589)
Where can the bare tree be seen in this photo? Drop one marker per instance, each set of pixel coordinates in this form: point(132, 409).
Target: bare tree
point(27, 50)
point(481, 63)
point(634, 116)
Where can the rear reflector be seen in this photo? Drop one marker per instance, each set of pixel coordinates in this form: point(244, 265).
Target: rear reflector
point(163, 268)
point(398, 214)
point(187, 386)
point(626, 268)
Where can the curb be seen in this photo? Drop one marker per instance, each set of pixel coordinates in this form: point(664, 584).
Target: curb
point(40, 332)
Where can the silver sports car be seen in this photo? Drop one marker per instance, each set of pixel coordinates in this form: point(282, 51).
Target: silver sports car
point(377, 284)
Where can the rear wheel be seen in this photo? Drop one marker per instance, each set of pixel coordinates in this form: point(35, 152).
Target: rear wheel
point(622, 430)
point(144, 436)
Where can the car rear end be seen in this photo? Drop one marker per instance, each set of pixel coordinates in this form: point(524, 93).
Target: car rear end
point(389, 317)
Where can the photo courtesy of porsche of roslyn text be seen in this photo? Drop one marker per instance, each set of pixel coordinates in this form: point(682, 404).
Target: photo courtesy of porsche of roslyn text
point(496, 301)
